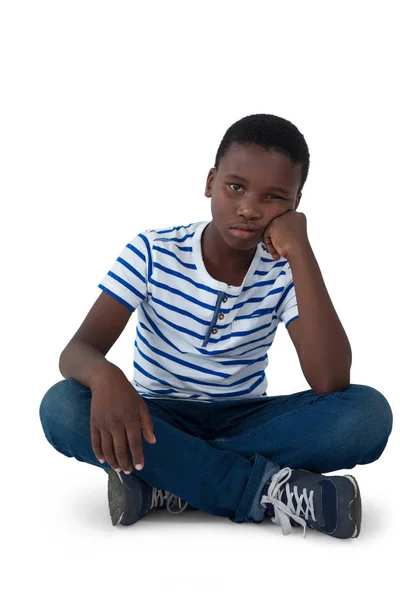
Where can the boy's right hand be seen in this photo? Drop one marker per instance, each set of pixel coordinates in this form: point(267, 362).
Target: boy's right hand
point(117, 416)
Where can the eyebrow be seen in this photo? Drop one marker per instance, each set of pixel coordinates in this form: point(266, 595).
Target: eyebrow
point(272, 187)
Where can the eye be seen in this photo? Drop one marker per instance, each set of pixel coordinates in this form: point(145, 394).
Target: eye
point(272, 195)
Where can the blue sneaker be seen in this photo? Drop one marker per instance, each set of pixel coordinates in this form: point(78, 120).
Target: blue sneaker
point(130, 499)
point(329, 504)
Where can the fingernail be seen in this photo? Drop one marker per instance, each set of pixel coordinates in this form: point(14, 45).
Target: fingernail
point(154, 439)
point(101, 460)
point(139, 466)
point(117, 470)
point(127, 472)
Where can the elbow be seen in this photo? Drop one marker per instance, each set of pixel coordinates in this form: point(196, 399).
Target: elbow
point(60, 365)
point(61, 361)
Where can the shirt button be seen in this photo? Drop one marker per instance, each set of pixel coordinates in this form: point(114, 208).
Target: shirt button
point(225, 299)
point(221, 316)
point(214, 330)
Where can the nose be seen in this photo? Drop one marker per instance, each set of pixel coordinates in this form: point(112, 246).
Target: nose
point(249, 210)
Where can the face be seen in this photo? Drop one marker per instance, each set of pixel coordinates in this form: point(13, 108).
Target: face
point(254, 200)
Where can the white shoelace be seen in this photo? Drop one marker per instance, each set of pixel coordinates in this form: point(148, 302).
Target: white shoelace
point(283, 511)
point(158, 497)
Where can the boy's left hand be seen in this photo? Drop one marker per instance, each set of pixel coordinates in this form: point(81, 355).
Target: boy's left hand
point(285, 233)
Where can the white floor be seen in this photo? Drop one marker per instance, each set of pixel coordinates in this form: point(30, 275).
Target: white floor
point(61, 543)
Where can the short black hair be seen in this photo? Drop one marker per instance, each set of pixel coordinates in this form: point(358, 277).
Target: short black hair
point(271, 132)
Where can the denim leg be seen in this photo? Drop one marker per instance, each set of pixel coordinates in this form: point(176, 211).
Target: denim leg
point(217, 481)
point(305, 431)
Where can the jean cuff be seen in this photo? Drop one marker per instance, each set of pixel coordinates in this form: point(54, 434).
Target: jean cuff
point(257, 510)
point(250, 510)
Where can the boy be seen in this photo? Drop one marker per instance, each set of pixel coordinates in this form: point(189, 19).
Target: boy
point(210, 296)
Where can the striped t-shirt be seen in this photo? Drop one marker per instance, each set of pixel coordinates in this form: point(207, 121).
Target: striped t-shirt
point(198, 338)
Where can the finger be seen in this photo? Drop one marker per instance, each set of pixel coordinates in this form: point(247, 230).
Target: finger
point(108, 448)
point(271, 249)
point(146, 424)
point(134, 435)
point(96, 444)
point(121, 449)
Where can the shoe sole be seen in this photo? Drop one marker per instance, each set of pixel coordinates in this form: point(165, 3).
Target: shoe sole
point(355, 507)
point(118, 498)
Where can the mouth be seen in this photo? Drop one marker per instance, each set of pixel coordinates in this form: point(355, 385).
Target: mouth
point(244, 234)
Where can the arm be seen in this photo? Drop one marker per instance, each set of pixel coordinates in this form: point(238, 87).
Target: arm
point(85, 363)
point(84, 357)
point(321, 343)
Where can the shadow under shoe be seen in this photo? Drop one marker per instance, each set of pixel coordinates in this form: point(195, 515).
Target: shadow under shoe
point(331, 505)
point(130, 499)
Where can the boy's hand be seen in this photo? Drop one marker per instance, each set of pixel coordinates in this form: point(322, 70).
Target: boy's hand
point(118, 416)
point(285, 233)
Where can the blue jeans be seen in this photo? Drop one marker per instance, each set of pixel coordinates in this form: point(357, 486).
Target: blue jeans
point(219, 456)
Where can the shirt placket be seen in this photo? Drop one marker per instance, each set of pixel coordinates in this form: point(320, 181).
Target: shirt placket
point(212, 330)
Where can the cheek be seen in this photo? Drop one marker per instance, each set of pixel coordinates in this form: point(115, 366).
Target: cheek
point(219, 210)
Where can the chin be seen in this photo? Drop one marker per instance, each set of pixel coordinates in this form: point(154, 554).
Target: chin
point(243, 246)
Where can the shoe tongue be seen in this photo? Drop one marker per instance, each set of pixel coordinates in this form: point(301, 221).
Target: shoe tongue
point(165, 500)
point(160, 498)
point(270, 508)
point(284, 499)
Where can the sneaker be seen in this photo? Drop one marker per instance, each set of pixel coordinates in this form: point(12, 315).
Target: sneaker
point(130, 499)
point(331, 504)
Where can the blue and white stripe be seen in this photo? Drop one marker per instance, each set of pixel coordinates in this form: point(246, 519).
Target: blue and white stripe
point(198, 338)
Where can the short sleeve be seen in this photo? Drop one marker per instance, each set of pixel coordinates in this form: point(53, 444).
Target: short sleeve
point(287, 309)
point(127, 278)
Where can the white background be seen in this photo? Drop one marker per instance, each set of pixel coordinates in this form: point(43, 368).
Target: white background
point(111, 116)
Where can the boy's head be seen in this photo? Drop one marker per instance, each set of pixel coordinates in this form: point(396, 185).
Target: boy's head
point(267, 152)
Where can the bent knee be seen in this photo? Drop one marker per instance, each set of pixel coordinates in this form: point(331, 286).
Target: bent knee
point(371, 407)
point(62, 401)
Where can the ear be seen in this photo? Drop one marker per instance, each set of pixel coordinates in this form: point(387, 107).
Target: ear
point(209, 182)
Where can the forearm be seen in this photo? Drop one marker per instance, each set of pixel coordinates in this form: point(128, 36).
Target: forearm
point(325, 348)
point(84, 362)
